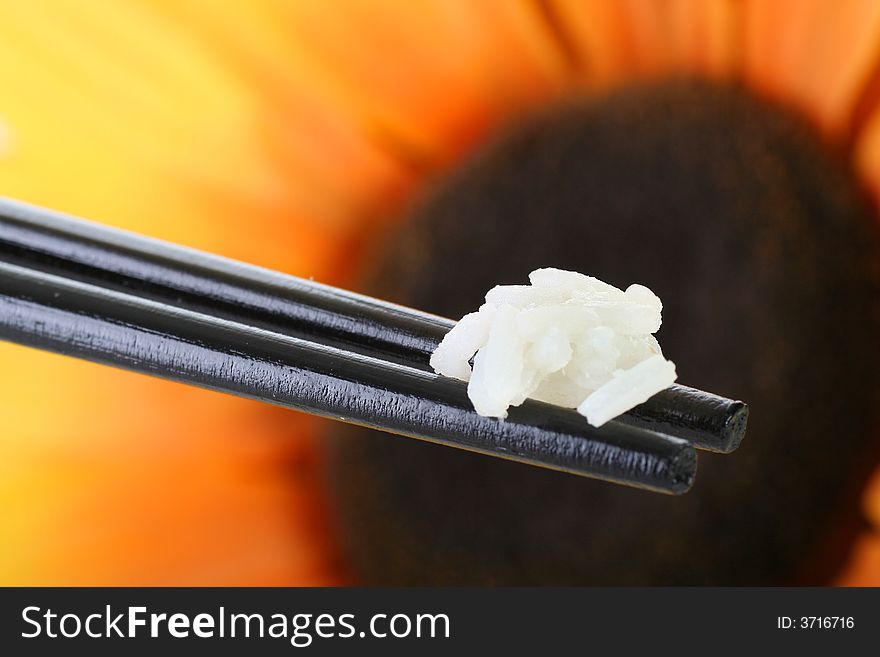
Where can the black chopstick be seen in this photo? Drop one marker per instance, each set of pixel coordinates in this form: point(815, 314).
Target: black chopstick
point(75, 249)
point(77, 319)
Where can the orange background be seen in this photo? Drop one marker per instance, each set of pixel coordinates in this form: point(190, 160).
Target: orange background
point(285, 133)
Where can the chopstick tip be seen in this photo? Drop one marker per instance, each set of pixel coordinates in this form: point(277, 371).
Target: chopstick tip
point(734, 429)
point(683, 470)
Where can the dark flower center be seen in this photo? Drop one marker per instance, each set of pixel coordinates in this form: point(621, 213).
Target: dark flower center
point(760, 245)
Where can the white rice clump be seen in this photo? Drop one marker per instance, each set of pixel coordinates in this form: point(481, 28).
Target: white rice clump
point(567, 339)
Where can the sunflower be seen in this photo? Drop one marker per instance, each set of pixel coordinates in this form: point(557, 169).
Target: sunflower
point(291, 134)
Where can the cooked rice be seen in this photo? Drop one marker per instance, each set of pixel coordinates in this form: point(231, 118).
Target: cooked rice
point(566, 339)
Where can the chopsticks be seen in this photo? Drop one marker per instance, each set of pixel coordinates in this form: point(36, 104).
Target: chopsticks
point(67, 317)
point(115, 259)
point(78, 288)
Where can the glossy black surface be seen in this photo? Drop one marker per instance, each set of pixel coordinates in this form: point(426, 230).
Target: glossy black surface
point(708, 421)
point(75, 249)
point(40, 239)
point(105, 326)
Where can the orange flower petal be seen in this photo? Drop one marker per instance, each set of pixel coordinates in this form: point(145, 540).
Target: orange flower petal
point(620, 39)
point(817, 55)
point(418, 97)
point(117, 112)
point(863, 567)
point(115, 478)
point(776, 34)
point(704, 36)
point(599, 34)
point(872, 501)
point(866, 154)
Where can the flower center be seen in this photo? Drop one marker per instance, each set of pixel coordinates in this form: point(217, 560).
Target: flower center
point(759, 242)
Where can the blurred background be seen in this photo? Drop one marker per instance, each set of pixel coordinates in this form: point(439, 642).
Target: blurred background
point(307, 136)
